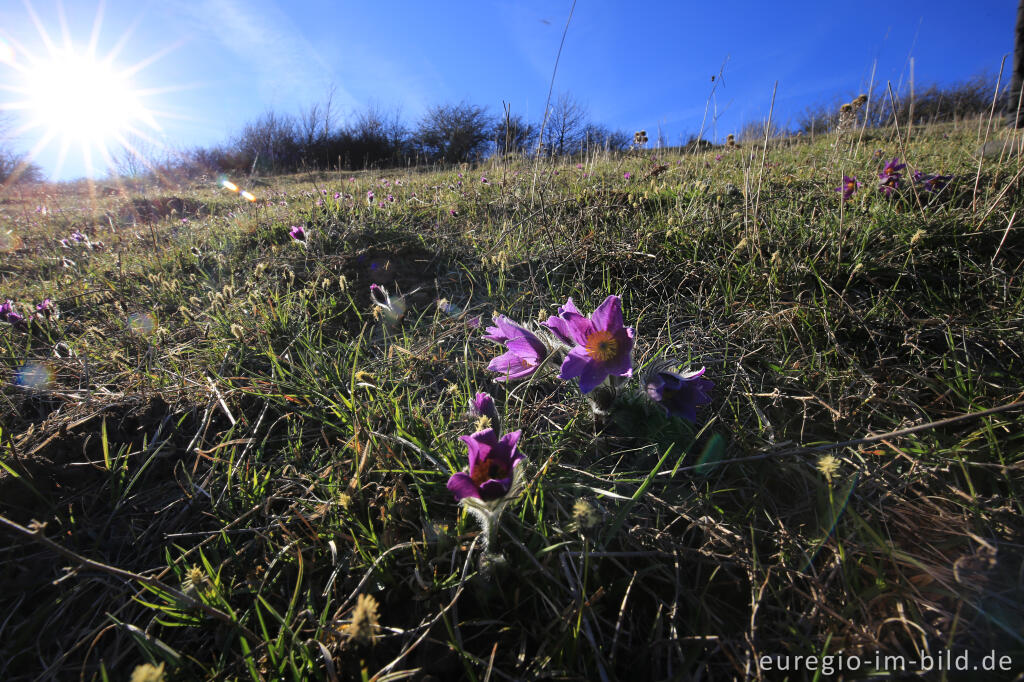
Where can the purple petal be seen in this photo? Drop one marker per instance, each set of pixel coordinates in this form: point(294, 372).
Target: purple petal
point(524, 347)
point(511, 365)
point(483, 405)
point(622, 363)
point(575, 363)
point(508, 444)
point(559, 328)
point(569, 307)
point(479, 445)
point(494, 334)
point(462, 486)
point(493, 488)
point(592, 377)
point(608, 315)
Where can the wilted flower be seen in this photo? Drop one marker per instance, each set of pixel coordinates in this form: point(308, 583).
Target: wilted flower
point(603, 346)
point(525, 352)
point(393, 309)
point(848, 187)
point(492, 462)
point(298, 233)
point(680, 394)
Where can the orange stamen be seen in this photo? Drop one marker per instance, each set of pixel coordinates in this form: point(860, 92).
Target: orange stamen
point(602, 346)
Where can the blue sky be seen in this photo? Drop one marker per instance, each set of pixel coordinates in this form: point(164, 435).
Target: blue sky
point(210, 65)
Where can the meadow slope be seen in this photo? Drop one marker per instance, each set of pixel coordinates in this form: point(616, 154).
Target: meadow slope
point(216, 447)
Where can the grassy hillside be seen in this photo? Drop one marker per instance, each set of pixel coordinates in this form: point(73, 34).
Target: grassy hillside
point(219, 454)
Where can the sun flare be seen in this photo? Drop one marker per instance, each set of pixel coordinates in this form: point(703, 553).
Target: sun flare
point(81, 99)
point(75, 97)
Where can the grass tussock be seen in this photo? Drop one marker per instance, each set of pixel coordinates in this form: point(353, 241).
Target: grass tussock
point(220, 458)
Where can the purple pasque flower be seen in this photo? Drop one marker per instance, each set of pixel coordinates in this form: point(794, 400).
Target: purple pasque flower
point(525, 351)
point(482, 405)
point(848, 187)
point(627, 175)
point(892, 168)
point(298, 233)
point(9, 314)
point(891, 176)
point(492, 461)
point(889, 184)
point(46, 308)
point(932, 183)
point(679, 393)
point(603, 346)
point(559, 325)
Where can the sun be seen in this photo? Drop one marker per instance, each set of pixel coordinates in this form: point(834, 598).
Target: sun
point(81, 99)
point(74, 97)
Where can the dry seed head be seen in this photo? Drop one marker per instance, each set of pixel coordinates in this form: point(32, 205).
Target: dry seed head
point(237, 331)
point(917, 237)
point(776, 259)
point(584, 514)
point(195, 580)
point(342, 282)
point(260, 268)
point(344, 500)
point(364, 620)
point(147, 672)
point(828, 465)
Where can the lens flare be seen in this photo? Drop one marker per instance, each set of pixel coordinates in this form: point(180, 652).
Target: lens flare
point(227, 184)
point(247, 196)
point(33, 375)
point(143, 323)
point(9, 242)
point(6, 52)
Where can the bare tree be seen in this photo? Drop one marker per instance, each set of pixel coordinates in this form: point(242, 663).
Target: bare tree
point(270, 141)
point(514, 135)
point(454, 132)
point(14, 167)
point(314, 126)
point(567, 119)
